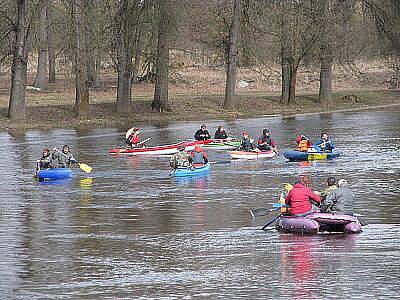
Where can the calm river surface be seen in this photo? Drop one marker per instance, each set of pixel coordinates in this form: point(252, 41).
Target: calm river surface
point(130, 231)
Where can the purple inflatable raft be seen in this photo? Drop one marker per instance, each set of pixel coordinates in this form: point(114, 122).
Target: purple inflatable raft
point(318, 222)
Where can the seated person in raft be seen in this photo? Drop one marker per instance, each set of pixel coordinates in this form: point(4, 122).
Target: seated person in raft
point(45, 161)
point(265, 142)
point(202, 134)
point(132, 137)
point(181, 159)
point(63, 159)
point(324, 143)
point(246, 144)
point(303, 144)
point(220, 134)
point(340, 200)
point(199, 156)
point(300, 198)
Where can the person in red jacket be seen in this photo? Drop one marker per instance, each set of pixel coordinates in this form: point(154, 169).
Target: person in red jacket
point(299, 199)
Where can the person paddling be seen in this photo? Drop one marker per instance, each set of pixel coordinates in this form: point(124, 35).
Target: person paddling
point(340, 200)
point(265, 142)
point(303, 143)
point(202, 134)
point(246, 144)
point(64, 158)
point(181, 159)
point(45, 161)
point(132, 137)
point(331, 185)
point(220, 134)
point(324, 143)
point(299, 198)
point(199, 156)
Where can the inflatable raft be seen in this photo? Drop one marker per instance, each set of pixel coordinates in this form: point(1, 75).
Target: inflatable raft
point(54, 174)
point(318, 222)
point(158, 150)
point(252, 154)
point(186, 172)
point(295, 155)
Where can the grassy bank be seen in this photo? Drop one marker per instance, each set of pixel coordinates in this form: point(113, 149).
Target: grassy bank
point(57, 112)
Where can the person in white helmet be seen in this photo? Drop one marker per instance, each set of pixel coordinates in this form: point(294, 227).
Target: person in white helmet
point(340, 200)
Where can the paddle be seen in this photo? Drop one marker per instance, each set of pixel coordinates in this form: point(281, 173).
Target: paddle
point(270, 222)
point(123, 149)
point(84, 167)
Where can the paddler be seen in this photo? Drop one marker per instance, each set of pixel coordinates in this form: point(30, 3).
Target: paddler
point(45, 161)
point(199, 156)
point(324, 143)
point(220, 134)
point(181, 159)
point(265, 142)
point(303, 143)
point(132, 137)
point(340, 200)
point(246, 143)
point(299, 198)
point(331, 185)
point(202, 134)
point(64, 158)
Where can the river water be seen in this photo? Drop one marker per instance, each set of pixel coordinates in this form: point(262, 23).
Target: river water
point(129, 231)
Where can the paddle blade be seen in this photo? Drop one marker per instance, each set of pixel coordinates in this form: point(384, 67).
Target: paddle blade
point(260, 212)
point(85, 167)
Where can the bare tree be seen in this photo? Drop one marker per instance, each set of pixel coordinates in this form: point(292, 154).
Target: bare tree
point(41, 80)
point(160, 101)
point(78, 8)
point(17, 104)
point(51, 43)
point(229, 100)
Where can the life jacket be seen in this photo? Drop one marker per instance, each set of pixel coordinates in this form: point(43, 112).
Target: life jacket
point(303, 146)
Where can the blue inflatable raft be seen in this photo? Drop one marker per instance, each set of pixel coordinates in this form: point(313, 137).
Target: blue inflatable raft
point(184, 172)
point(54, 174)
point(295, 155)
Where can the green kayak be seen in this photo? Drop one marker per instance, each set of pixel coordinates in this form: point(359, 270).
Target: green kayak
point(222, 144)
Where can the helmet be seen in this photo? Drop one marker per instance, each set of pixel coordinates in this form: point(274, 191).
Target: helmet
point(245, 133)
point(342, 182)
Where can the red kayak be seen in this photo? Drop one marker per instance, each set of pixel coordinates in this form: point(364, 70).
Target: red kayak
point(158, 150)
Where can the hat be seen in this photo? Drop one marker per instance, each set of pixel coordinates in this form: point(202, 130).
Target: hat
point(245, 133)
point(342, 182)
point(181, 147)
point(265, 130)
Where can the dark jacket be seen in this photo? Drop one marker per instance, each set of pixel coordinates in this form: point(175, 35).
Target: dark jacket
point(265, 139)
point(202, 135)
point(45, 162)
point(246, 145)
point(340, 201)
point(299, 199)
point(220, 135)
point(322, 145)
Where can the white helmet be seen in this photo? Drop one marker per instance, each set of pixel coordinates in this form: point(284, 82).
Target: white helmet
point(342, 182)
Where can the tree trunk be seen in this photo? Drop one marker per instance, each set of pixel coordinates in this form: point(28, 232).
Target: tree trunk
point(17, 105)
point(326, 55)
point(285, 54)
point(229, 101)
point(160, 101)
point(292, 87)
point(124, 89)
point(93, 70)
point(81, 59)
point(50, 46)
point(41, 81)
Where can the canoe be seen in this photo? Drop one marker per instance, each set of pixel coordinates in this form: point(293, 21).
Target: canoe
point(185, 172)
point(158, 150)
point(54, 174)
point(252, 154)
point(223, 144)
point(294, 155)
point(318, 222)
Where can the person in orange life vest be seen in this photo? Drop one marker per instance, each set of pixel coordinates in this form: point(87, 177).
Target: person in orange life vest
point(199, 156)
point(299, 198)
point(133, 138)
point(303, 143)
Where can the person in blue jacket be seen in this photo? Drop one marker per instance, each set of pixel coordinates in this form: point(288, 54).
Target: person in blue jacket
point(324, 143)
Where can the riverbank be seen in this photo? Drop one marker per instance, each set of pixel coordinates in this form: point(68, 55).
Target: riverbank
point(194, 107)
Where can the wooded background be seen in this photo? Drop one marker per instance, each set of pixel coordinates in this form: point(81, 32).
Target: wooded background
point(135, 38)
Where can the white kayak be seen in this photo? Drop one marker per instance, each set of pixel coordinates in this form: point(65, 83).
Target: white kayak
point(252, 154)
